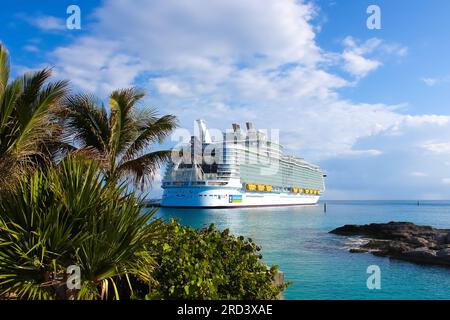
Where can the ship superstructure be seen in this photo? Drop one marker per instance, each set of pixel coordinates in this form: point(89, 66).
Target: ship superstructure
point(242, 169)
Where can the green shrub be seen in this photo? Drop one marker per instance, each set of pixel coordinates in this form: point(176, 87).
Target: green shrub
point(209, 264)
point(69, 215)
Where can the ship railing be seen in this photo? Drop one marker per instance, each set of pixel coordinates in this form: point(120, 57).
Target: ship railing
point(195, 183)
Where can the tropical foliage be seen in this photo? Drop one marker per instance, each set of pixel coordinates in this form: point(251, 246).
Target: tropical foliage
point(29, 131)
point(119, 137)
point(210, 264)
point(69, 215)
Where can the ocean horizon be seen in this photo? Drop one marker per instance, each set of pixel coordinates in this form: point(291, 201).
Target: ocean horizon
point(318, 263)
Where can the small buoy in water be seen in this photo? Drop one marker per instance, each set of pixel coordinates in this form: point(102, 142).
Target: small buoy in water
point(325, 207)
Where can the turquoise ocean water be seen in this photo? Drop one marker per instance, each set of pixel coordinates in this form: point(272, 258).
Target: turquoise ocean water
point(318, 263)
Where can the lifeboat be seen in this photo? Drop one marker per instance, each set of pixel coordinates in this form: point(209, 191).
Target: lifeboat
point(260, 187)
point(251, 187)
point(268, 188)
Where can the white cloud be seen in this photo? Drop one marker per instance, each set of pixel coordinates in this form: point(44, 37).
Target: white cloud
point(430, 81)
point(355, 56)
point(354, 61)
point(394, 49)
point(434, 81)
point(419, 174)
point(47, 23)
point(359, 153)
point(437, 147)
point(427, 119)
point(31, 48)
point(96, 65)
point(169, 87)
point(357, 65)
point(219, 31)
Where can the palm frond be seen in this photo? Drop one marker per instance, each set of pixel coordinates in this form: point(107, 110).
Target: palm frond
point(28, 130)
point(122, 121)
point(32, 84)
point(7, 103)
point(4, 69)
point(85, 123)
point(35, 125)
point(151, 130)
point(143, 169)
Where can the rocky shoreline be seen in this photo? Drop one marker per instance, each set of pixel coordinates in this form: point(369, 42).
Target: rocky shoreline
point(402, 240)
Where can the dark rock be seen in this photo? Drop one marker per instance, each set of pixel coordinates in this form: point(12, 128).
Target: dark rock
point(349, 229)
point(441, 238)
point(391, 230)
point(358, 250)
point(419, 241)
point(375, 245)
point(444, 253)
point(422, 252)
point(396, 248)
point(402, 240)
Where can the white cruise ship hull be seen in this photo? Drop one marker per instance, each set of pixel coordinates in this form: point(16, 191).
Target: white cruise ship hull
point(231, 198)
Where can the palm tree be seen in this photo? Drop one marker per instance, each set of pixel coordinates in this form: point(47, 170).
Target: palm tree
point(119, 137)
point(28, 128)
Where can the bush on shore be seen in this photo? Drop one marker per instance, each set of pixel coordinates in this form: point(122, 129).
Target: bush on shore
point(209, 264)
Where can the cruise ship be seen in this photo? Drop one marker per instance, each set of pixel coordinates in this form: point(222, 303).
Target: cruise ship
point(242, 169)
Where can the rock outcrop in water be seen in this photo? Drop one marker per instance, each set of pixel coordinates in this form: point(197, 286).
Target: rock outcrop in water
point(402, 240)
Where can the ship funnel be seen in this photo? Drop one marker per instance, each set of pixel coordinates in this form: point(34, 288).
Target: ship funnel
point(249, 125)
point(236, 127)
point(204, 135)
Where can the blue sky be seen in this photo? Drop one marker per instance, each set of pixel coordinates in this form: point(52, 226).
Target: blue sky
point(370, 106)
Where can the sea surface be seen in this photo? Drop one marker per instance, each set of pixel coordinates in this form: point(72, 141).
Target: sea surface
point(318, 263)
